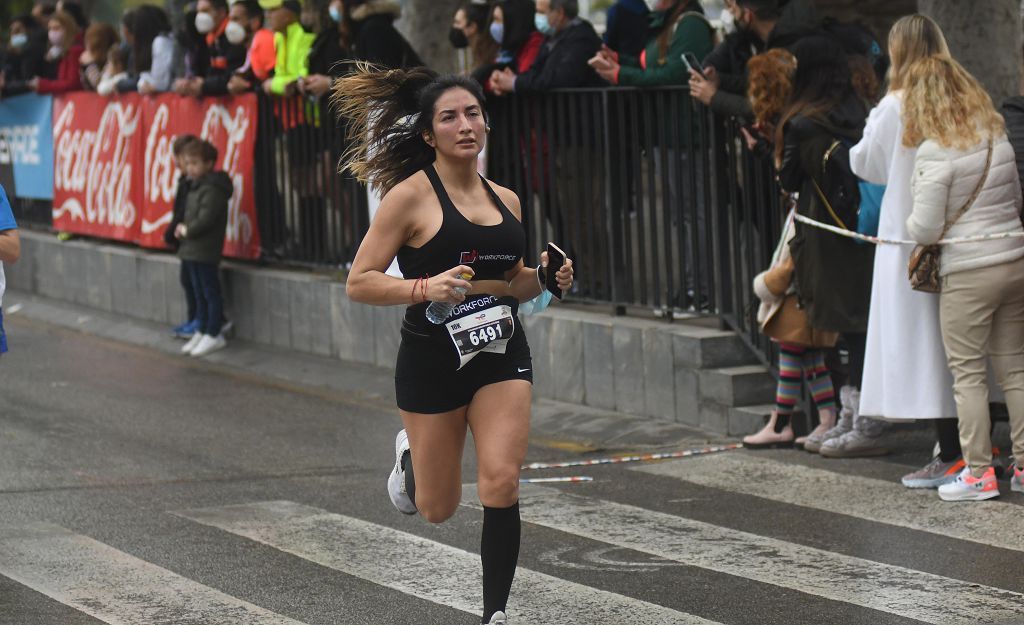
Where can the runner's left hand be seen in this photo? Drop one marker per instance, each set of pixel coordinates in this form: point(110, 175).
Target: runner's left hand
point(564, 275)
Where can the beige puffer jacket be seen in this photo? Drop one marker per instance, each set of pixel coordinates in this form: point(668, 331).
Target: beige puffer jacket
point(943, 181)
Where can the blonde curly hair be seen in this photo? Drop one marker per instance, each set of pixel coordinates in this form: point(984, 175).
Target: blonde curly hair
point(770, 83)
point(943, 102)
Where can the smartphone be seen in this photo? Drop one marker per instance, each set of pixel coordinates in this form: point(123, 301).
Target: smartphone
point(556, 258)
point(693, 63)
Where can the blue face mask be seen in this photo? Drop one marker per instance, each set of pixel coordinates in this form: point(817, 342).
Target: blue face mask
point(336, 14)
point(497, 31)
point(541, 22)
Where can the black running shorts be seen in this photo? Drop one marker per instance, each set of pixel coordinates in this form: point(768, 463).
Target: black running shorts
point(427, 381)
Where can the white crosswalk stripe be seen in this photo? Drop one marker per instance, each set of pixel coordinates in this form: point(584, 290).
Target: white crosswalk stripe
point(991, 523)
point(113, 586)
point(120, 589)
point(897, 590)
point(424, 568)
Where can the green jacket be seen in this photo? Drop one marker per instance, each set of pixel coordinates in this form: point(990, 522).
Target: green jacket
point(693, 33)
point(206, 218)
point(292, 56)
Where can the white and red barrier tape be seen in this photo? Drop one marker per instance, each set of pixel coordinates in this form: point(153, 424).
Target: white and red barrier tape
point(880, 241)
point(638, 458)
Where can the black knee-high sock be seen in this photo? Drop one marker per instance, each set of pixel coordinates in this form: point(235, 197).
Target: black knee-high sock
point(410, 479)
point(499, 552)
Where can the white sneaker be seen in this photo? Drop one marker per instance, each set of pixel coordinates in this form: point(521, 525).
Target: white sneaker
point(191, 343)
point(209, 344)
point(396, 481)
point(498, 618)
point(966, 487)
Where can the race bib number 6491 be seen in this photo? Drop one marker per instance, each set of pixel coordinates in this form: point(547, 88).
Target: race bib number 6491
point(486, 331)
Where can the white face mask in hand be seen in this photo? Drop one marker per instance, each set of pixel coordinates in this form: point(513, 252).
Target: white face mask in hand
point(235, 32)
point(204, 23)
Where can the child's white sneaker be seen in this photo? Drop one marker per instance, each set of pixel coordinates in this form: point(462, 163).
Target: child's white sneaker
point(209, 344)
point(191, 343)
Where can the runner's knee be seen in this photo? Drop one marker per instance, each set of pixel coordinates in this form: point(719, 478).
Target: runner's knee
point(499, 487)
point(436, 512)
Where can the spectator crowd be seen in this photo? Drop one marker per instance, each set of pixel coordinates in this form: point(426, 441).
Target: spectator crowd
point(904, 145)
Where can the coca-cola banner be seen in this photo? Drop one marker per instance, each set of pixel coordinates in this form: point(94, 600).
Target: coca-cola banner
point(97, 148)
point(115, 176)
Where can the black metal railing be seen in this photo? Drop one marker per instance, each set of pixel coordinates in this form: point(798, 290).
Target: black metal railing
point(308, 213)
point(616, 177)
point(31, 212)
point(658, 201)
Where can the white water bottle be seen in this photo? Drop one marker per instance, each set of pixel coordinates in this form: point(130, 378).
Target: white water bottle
point(437, 312)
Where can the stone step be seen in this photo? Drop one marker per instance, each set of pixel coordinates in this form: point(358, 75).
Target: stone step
point(737, 386)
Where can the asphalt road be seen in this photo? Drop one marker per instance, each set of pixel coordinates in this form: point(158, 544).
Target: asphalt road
point(141, 487)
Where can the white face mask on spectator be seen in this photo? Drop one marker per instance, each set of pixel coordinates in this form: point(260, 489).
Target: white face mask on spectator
point(56, 37)
point(204, 23)
point(235, 32)
point(19, 41)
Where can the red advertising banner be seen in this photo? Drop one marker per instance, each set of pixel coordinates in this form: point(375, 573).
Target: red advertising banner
point(115, 176)
point(97, 148)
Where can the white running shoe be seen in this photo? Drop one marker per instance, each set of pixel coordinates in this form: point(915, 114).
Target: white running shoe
point(208, 344)
point(966, 487)
point(498, 618)
point(191, 343)
point(396, 481)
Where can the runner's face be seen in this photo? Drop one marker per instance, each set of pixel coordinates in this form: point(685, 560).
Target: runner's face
point(459, 126)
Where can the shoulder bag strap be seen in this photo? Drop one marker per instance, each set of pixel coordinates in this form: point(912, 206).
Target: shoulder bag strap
point(974, 196)
point(821, 195)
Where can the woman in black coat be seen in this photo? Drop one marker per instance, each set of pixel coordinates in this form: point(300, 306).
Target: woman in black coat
point(833, 273)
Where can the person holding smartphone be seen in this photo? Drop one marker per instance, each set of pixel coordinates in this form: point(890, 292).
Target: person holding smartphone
point(678, 27)
point(460, 240)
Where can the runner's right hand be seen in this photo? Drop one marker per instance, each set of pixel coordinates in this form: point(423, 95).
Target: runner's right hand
point(442, 288)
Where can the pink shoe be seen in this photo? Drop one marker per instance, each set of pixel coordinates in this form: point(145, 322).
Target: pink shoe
point(768, 438)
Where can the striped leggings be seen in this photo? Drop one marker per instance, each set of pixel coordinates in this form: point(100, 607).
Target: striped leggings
point(797, 362)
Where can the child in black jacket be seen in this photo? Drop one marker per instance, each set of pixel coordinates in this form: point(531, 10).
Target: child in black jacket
point(188, 329)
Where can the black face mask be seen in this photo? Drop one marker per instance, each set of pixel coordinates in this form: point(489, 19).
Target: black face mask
point(458, 38)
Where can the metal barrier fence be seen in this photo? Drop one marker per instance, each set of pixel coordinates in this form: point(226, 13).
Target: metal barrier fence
point(657, 200)
point(308, 213)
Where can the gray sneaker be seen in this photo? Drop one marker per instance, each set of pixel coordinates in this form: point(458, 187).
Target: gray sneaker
point(854, 444)
point(862, 441)
point(934, 474)
point(843, 425)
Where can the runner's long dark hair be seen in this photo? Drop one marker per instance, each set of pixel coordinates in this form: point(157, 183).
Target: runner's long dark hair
point(387, 113)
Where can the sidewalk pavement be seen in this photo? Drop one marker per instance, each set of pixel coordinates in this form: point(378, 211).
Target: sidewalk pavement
point(555, 425)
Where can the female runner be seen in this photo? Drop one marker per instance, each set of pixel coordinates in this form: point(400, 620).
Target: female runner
point(460, 240)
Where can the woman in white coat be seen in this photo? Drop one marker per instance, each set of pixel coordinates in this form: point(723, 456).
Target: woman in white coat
point(965, 184)
point(905, 371)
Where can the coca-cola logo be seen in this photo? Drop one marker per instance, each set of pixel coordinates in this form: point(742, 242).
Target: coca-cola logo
point(94, 164)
